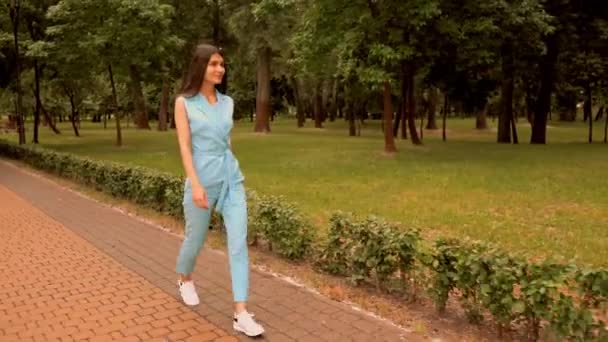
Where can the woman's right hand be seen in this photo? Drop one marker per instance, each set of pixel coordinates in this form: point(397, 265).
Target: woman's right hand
point(199, 197)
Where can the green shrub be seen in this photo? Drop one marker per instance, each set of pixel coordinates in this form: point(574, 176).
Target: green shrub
point(280, 225)
point(153, 189)
point(371, 250)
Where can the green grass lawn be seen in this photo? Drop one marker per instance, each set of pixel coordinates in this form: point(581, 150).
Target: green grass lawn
point(548, 201)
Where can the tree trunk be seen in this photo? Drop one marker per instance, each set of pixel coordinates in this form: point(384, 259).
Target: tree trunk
point(115, 107)
point(38, 102)
point(587, 109)
point(404, 103)
point(352, 127)
point(333, 104)
point(74, 111)
point(12, 119)
point(529, 105)
point(45, 122)
point(308, 108)
point(141, 114)
point(408, 73)
point(74, 123)
point(543, 104)
point(49, 119)
point(318, 105)
point(446, 108)
point(14, 14)
point(350, 107)
point(389, 139)
point(360, 114)
point(587, 114)
point(433, 99)
point(404, 114)
point(606, 130)
point(325, 90)
point(216, 23)
point(218, 39)
point(35, 34)
point(172, 119)
point(481, 121)
point(20, 121)
point(506, 113)
point(600, 114)
point(421, 127)
point(262, 124)
point(164, 106)
point(514, 130)
point(300, 115)
point(398, 120)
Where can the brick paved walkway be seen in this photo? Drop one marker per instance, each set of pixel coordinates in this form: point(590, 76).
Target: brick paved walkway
point(55, 285)
point(72, 267)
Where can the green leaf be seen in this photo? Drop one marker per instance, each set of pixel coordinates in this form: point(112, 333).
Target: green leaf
point(518, 307)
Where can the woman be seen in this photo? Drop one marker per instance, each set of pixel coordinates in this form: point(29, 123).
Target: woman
point(203, 118)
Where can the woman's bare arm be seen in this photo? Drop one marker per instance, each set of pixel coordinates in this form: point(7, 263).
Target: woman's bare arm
point(183, 137)
point(185, 148)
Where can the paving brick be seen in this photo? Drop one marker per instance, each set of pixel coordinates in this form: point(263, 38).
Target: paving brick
point(228, 339)
point(183, 325)
point(157, 332)
point(208, 336)
point(161, 323)
point(178, 335)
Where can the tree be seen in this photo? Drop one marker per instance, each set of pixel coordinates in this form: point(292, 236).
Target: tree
point(433, 100)
point(315, 50)
point(583, 64)
point(15, 7)
point(129, 36)
point(255, 24)
point(560, 11)
point(164, 105)
point(522, 24)
point(36, 22)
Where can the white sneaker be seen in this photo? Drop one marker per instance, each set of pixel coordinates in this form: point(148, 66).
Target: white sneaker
point(244, 323)
point(188, 292)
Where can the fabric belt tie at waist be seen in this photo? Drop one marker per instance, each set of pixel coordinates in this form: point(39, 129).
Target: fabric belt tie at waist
point(226, 167)
point(227, 163)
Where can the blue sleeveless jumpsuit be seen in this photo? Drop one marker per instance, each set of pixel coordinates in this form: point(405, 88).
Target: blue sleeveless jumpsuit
point(219, 173)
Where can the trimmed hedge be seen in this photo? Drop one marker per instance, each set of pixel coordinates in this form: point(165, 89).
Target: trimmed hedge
point(372, 250)
point(157, 190)
point(280, 225)
point(534, 298)
point(515, 292)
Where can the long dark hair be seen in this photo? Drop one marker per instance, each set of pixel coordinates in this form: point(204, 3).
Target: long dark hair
point(193, 80)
